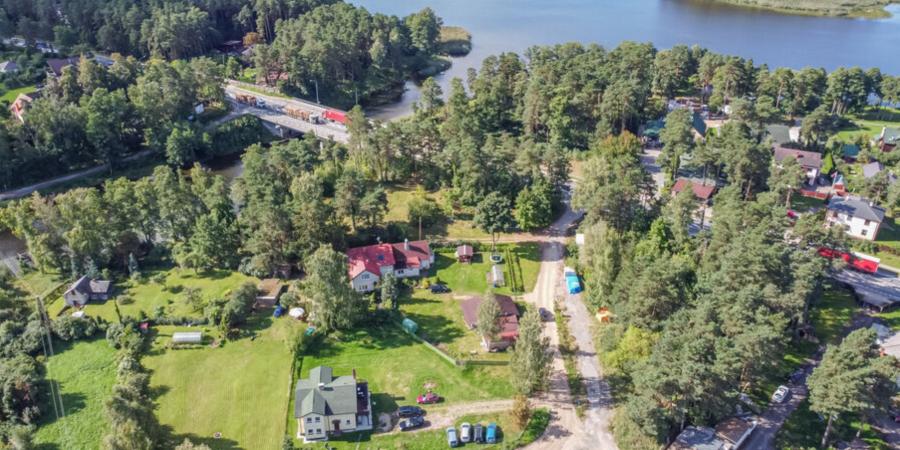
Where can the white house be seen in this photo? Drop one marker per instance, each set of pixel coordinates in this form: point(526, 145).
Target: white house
point(368, 264)
point(327, 405)
point(860, 217)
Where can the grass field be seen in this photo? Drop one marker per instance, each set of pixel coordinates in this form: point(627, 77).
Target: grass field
point(10, 95)
point(455, 41)
point(86, 372)
point(520, 274)
point(146, 295)
point(869, 124)
point(398, 212)
point(240, 390)
point(804, 429)
point(425, 440)
point(36, 283)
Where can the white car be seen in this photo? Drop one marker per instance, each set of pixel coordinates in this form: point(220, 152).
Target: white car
point(465, 432)
point(781, 394)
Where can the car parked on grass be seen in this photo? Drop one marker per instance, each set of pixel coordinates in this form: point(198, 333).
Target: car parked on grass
point(410, 411)
point(428, 398)
point(781, 394)
point(465, 432)
point(490, 436)
point(452, 440)
point(478, 433)
point(412, 422)
point(439, 288)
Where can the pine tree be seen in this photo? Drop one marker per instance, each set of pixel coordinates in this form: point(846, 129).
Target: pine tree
point(530, 360)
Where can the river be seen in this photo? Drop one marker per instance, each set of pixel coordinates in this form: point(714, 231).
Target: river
point(778, 40)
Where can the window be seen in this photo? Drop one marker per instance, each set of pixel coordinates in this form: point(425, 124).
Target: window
point(348, 421)
point(318, 419)
point(318, 431)
point(365, 276)
point(309, 420)
point(867, 223)
point(865, 232)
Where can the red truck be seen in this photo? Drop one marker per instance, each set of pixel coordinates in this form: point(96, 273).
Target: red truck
point(336, 116)
point(862, 263)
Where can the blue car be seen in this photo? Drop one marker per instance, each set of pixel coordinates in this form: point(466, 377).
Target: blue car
point(490, 436)
point(573, 283)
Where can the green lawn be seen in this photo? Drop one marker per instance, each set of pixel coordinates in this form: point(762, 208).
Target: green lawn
point(522, 271)
point(423, 440)
point(240, 390)
point(868, 125)
point(86, 372)
point(10, 95)
point(36, 283)
point(831, 313)
point(146, 294)
point(458, 228)
point(398, 367)
point(804, 429)
point(804, 204)
point(888, 236)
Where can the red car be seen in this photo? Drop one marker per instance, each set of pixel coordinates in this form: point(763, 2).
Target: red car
point(428, 398)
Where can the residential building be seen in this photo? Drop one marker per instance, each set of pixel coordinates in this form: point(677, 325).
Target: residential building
point(85, 290)
point(730, 434)
point(21, 104)
point(9, 67)
point(860, 217)
point(326, 405)
point(888, 139)
point(811, 162)
point(872, 169)
point(406, 259)
point(508, 320)
point(55, 66)
point(702, 192)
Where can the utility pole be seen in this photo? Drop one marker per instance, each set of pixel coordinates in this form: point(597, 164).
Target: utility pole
point(316, 82)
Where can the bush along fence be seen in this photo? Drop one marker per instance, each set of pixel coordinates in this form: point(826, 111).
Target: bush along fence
point(446, 356)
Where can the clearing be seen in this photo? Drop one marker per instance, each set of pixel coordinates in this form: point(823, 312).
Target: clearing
point(240, 389)
point(86, 372)
point(521, 265)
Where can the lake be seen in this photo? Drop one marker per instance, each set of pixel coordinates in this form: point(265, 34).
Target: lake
point(766, 37)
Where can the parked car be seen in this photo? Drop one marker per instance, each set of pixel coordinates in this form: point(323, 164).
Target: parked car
point(465, 432)
point(439, 288)
point(546, 316)
point(452, 440)
point(428, 398)
point(412, 422)
point(490, 436)
point(478, 433)
point(410, 411)
point(781, 394)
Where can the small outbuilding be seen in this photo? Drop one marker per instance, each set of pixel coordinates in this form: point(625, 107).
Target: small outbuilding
point(187, 337)
point(410, 326)
point(464, 253)
point(270, 290)
point(495, 276)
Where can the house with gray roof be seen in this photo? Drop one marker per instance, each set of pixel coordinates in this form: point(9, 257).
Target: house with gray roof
point(9, 67)
point(860, 217)
point(84, 290)
point(888, 139)
point(326, 405)
point(872, 169)
point(811, 162)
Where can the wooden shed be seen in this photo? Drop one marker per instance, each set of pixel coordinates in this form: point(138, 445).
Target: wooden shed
point(269, 291)
point(464, 253)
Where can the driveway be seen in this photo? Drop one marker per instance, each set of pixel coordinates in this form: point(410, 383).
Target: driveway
point(566, 430)
point(773, 418)
point(649, 161)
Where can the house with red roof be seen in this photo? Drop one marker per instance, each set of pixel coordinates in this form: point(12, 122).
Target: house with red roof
point(405, 259)
point(702, 192)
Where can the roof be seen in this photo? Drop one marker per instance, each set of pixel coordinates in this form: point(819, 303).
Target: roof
point(470, 308)
point(780, 134)
point(653, 128)
point(100, 286)
point(8, 66)
point(399, 255)
point(699, 124)
point(58, 64)
point(734, 428)
point(700, 191)
point(807, 160)
point(857, 207)
point(324, 394)
point(85, 285)
point(890, 135)
point(269, 288)
point(871, 169)
point(697, 438)
point(464, 250)
point(850, 150)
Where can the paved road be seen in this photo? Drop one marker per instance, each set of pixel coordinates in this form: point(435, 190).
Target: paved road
point(27, 190)
point(648, 160)
point(773, 418)
point(272, 113)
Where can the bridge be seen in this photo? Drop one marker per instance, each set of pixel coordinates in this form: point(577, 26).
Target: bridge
point(275, 110)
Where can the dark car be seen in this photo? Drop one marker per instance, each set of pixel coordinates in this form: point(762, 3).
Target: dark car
point(546, 316)
point(410, 411)
point(439, 288)
point(412, 422)
point(478, 433)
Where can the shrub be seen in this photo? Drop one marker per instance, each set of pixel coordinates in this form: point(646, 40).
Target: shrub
point(68, 328)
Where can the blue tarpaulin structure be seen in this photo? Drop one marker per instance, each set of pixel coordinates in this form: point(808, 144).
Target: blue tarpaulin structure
point(279, 311)
point(573, 284)
point(410, 326)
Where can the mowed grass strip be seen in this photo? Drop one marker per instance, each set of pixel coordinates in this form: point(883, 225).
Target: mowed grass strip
point(86, 372)
point(239, 390)
point(465, 278)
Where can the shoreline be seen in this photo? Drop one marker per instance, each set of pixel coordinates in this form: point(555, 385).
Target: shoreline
point(874, 12)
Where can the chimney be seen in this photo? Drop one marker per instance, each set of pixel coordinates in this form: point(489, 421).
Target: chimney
point(406, 244)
